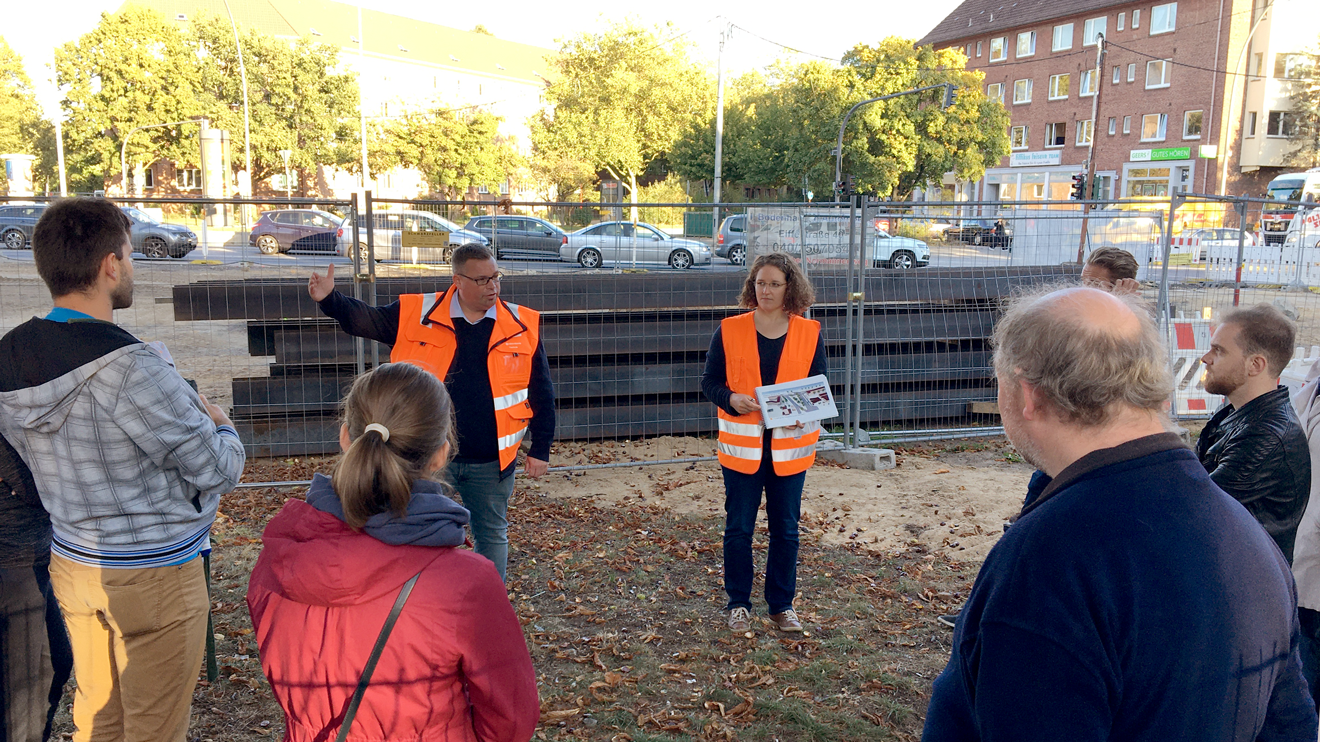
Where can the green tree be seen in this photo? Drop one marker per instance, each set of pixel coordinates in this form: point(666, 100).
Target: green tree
point(693, 155)
point(620, 99)
point(452, 153)
point(913, 140)
point(296, 101)
point(21, 125)
point(133, 69)
point(1305, 96)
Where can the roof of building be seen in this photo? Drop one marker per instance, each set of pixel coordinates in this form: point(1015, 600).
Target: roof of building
point(977, 17)
point(384, 35)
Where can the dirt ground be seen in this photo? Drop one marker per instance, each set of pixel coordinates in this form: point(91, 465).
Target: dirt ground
point(952, 499)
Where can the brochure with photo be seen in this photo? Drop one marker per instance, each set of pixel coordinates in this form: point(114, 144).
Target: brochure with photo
point(802, 401)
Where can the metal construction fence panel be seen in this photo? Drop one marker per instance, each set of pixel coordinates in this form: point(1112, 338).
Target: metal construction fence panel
point(907, 295)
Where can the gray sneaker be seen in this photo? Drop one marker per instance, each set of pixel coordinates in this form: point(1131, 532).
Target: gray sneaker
point(740, 620)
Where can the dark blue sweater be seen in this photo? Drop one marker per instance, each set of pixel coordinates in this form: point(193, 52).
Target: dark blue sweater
point(467, 381)
point(1132, 600)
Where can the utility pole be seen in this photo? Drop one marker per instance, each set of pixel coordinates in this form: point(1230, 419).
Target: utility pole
point(1089, 190)
point(719, 129)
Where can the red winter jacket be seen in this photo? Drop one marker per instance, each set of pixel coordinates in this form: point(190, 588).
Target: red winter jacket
point(455, 668)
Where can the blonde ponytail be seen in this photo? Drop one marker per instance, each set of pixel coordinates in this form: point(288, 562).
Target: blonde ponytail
point(376, 475)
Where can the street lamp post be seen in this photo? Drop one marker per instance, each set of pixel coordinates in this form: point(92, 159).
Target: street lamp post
point(288, 188)
point(838, 150)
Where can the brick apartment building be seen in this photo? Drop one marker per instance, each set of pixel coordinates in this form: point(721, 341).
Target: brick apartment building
point(1170, 116)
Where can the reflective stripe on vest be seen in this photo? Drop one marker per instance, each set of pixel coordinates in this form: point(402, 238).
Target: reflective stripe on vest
point(741, 437)
point(513, 343)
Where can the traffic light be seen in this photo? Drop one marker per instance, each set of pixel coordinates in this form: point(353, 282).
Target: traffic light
point(1078, 187)
point(846, 187)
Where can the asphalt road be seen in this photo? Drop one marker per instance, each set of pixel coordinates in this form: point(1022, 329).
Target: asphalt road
point(942, 256)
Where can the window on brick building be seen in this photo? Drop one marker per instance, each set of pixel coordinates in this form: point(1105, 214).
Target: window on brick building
point(1158, 73)
point(1118, 75)
point(1163, 18)
point(189, 178)
point(1085, 130)
point(1153, 127)
point(1062, 38)
point(148, 178)
point(1136, 18)
point(1132, 72)
point(1113, 126)
point(1059, 86)
point(1127, 124)
point(998, 49)
point(995, 91)
point(1192, 124)
point(1022, 91)
point(1056, 135)
point(1093, 28)
point(978, 50)
point(1121, 18)
point(1018, 137)
point(1088, 85)
point(1026, 44)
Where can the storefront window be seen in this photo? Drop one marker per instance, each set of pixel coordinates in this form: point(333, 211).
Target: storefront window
point(1152, 181)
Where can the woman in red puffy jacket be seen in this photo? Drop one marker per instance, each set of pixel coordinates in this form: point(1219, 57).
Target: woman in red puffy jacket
point(456, 665)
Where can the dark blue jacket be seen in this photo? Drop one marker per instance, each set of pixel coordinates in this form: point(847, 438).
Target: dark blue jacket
point(1132, 600)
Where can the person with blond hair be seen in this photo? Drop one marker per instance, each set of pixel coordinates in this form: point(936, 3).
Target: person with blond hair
point(1133, 599)
point(455, 666)
point(771, 344)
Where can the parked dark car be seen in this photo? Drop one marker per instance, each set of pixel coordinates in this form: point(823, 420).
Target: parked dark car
point(968, 230)
point(980, 232)
point(281, 230)
point(519, 236)
point(16, 224)
point(731, 243)
point(156, 239)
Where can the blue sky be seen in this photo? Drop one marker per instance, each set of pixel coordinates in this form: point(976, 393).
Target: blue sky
point(32, 31)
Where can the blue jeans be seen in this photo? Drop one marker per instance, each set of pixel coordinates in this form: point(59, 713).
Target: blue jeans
point(486, 496)
point(783, 508)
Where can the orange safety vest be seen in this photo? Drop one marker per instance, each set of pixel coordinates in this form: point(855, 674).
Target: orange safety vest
point(791, 451)
point(426, 338)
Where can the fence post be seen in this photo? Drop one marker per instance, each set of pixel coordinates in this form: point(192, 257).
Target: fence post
point(861, 316)
point(359, 348)
point(371, 271)
point(1175, 200)
point(848, 325)
point(802, 249)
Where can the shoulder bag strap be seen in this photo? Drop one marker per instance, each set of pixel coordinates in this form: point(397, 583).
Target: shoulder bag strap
point(365, 680)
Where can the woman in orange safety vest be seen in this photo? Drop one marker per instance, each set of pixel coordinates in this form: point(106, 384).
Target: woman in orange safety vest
point(771, 344)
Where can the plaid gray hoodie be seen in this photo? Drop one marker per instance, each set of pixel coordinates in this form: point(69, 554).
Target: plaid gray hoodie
point(126, 461)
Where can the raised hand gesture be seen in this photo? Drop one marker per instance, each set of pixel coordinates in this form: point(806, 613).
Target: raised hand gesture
point(319, 286)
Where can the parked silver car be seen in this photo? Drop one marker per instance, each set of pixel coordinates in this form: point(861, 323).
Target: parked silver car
point(406, 235)
point(618, 243)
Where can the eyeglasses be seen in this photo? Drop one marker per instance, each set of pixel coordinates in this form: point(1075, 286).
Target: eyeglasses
point(775, 285)
point(483, 280)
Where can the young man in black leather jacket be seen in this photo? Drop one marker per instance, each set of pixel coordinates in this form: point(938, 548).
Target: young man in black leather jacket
point(1254, 446)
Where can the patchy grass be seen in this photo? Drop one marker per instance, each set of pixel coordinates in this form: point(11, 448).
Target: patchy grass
point(623, 614)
